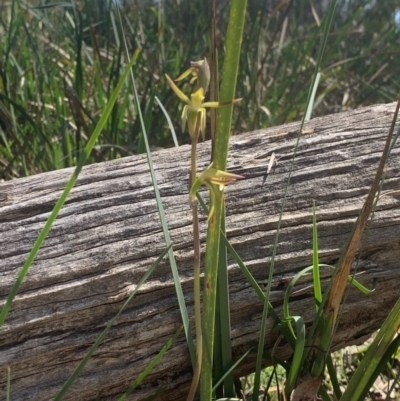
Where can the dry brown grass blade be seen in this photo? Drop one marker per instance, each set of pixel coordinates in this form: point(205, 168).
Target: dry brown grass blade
point(339, 280)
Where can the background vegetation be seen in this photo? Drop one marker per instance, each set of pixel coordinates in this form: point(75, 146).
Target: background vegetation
point(60, 61)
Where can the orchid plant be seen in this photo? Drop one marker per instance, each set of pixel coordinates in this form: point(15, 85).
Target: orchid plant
point(194, 118)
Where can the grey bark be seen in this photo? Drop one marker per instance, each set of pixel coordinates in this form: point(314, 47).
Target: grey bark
point(108, 234)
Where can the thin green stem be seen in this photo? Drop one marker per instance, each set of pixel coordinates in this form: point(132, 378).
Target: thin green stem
point(210, 283)
point(196, 272)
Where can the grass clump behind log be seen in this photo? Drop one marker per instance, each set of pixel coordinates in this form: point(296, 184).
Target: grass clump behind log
point(60, 62)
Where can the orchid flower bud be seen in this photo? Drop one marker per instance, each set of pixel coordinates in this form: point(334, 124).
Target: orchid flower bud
point(200, 71)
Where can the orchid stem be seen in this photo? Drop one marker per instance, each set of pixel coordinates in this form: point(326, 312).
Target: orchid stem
point(196, 273)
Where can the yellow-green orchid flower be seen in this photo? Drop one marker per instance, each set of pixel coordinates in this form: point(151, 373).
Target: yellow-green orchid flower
point(194, 113)
point(213, 176)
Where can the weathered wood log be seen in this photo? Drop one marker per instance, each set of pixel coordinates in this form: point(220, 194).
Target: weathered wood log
point(108, 234)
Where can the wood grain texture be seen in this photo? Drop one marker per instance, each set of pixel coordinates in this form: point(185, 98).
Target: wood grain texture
point(108, 234)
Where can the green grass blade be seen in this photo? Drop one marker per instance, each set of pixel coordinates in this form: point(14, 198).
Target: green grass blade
point(390, 357)
point(223, 346)
point(151, 365)
point(310, 105)
point(316, 277)
point(161, 213)
point(115, 30)
point(286, 299)
point(85, 154)
point(333, 375)
point(395, 137)
point(100, 338)
point(147, 121)
point(313, 87)
point(230, 370)
point(228, 81)
point(297, 360)
point(171, 126)
point(324, 394)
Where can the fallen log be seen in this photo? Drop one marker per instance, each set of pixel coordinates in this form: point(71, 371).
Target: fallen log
point(108, 234)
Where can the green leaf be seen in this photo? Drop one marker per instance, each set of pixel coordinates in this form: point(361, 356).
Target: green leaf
point(227, 93)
